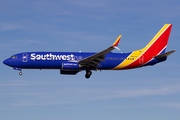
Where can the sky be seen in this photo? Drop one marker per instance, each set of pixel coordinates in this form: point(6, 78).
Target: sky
point(89, 26)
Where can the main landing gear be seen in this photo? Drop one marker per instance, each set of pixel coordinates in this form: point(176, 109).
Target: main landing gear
point(88, 74)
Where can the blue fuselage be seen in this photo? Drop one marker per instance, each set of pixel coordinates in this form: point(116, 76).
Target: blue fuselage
point(54, 60)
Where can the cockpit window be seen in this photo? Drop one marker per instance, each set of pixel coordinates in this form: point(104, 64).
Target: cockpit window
point(13, 57)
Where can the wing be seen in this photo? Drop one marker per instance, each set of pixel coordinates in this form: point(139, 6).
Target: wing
point(94, 60)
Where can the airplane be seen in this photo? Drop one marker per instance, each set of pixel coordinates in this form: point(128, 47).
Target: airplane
point(70, 63)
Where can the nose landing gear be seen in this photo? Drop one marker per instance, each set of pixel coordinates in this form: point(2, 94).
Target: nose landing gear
point(20, 73)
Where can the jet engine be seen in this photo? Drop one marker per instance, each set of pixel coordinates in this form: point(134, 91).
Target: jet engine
point(70, 66)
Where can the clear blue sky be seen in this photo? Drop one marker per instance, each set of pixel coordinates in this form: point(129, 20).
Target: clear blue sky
point(149, 93)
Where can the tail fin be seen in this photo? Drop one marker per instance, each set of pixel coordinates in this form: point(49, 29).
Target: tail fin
point(155, 47)
point(159, 43)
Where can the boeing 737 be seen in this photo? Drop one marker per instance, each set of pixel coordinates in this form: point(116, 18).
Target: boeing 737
point(70, 63)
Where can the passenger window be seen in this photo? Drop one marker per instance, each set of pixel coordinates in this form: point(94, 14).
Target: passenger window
point(80, 57)
point(75, 58)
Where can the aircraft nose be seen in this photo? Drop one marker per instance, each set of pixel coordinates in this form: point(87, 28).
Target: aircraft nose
point(6, 62)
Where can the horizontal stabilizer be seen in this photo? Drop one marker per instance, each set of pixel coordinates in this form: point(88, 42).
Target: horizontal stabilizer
point(164, 54)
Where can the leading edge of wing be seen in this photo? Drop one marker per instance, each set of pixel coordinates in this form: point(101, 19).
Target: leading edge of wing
point(95, 59)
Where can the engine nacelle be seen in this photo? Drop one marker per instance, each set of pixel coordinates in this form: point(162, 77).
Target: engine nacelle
point(70, 66)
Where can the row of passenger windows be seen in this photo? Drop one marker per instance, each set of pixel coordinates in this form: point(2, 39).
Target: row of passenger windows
point(109, 58)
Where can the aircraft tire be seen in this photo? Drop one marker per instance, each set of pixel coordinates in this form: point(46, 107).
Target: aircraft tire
point(20, 73)
point(88, 74)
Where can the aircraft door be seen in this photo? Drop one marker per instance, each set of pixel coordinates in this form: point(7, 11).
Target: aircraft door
point(141, 59)
point(25, 57)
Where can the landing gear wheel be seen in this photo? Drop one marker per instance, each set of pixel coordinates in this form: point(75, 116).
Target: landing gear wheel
point(88, 74)
point(20, 73)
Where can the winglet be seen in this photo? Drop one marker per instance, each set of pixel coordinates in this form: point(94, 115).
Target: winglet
point(117, 41)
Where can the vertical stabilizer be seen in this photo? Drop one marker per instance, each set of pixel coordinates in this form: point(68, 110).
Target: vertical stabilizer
point(159, 43)
point(154, 48)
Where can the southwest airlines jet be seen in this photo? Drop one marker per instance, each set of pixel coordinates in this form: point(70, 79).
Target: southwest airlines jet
point(70, 63)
